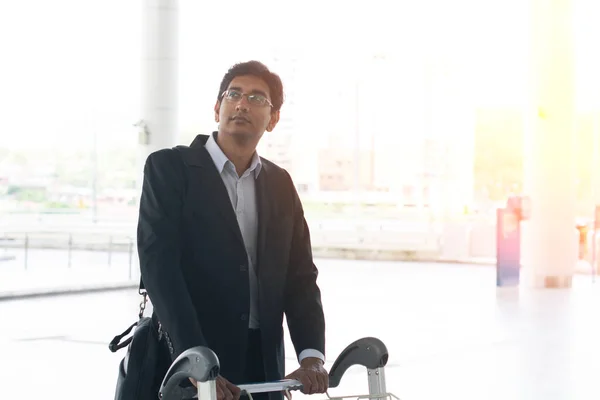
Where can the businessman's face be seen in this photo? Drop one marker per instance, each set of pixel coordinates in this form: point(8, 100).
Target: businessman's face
point(245, 111)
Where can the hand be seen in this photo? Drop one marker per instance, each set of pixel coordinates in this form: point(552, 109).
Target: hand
point(225, 389)
point(312, 375)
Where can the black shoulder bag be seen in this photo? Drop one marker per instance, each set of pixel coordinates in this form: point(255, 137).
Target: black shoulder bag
point(140, 369)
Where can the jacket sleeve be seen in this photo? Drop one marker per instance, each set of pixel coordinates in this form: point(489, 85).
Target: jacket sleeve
point(159, 249)
point(303, 307)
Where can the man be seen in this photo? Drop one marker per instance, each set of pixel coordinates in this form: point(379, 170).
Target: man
point(224, 247)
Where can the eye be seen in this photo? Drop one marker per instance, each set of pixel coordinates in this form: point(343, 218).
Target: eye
point(234, 95)
point(257, 98)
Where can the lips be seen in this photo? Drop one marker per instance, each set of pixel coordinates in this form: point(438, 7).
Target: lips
point(239, 118)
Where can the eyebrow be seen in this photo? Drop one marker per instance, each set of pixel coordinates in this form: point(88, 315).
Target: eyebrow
point(255, 91)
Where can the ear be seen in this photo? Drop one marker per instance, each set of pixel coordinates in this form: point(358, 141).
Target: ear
point(217, 110)
point(274, 120)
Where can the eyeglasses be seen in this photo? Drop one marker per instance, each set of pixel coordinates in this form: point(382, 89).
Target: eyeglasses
point(254, 99)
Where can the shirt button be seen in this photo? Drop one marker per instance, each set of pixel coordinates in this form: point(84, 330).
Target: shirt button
point(244, 317)
point(243, 268)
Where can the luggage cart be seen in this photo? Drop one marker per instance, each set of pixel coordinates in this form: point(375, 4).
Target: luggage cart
point(202, 364)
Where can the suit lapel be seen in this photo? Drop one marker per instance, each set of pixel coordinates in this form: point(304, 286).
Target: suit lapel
point(264, 209)
point(211, 184)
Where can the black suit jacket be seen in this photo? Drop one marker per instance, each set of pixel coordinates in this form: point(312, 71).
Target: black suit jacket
point(194, 264)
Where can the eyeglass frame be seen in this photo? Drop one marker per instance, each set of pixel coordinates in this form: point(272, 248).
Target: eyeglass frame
point(268, 102)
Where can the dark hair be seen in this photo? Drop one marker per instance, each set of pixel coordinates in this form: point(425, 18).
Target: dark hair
point(258, 69)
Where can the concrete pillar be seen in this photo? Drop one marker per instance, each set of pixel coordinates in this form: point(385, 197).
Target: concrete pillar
point(158, 127)
point(594, 241)
point(159, 93)
point(549, 245)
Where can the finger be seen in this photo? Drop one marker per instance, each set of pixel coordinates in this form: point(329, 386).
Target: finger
point(296, 375)
point(323, 382)
point(309, 382)
point(305, 381)
point(222, 384)
point(220, 394)
point(235, 391)
point(193, 382)
point(227, 395)
point(314, 378)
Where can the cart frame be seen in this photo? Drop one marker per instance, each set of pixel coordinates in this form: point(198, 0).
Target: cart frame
point(202, 365)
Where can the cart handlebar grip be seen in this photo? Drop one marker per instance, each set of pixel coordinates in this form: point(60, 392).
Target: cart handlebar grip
point(369, 352)
point(199, 363)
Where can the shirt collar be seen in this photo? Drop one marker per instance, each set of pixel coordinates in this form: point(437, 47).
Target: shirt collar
point(220, 159)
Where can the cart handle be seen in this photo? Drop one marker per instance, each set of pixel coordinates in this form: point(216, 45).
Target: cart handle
point(369, 352)
point(199, 363)
point(202, 364)
point(283, 385)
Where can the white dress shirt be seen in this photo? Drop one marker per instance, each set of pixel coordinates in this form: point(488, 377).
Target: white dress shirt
point(242, 193)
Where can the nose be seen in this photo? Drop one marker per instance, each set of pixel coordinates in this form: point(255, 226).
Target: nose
point(242, 104)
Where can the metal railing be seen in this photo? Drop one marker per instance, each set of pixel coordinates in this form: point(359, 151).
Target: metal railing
point(22, 243)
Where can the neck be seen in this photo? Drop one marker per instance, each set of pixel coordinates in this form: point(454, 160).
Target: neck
point(239, 154)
